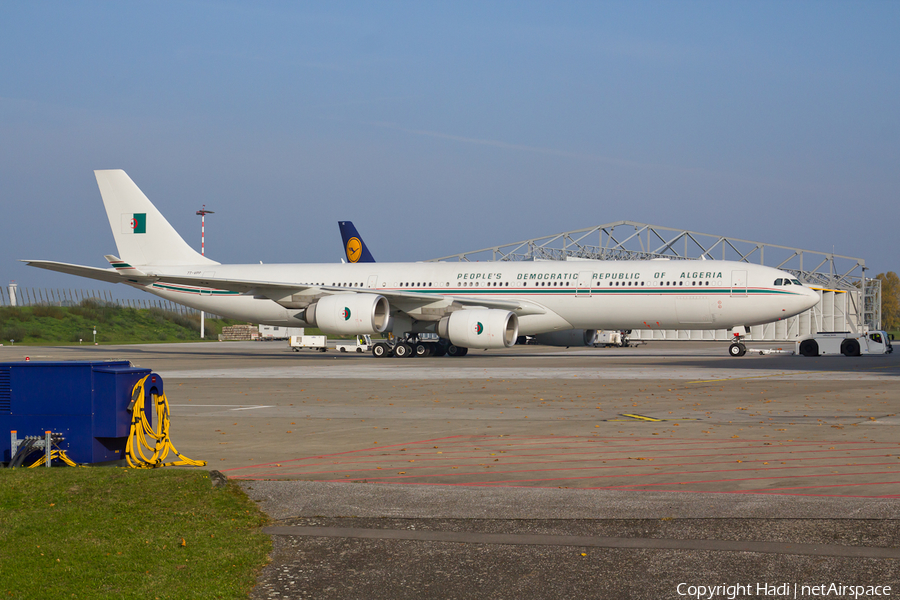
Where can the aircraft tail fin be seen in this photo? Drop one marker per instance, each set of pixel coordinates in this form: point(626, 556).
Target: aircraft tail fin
point(354, 247)
point(143, 236)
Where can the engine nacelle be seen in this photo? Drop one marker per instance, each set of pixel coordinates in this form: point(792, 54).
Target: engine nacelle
point(480, 328)
point(567, 338)
point(349, 314)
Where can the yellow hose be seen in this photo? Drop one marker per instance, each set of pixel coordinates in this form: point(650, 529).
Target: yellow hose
point(141, 430)
point(55, 455)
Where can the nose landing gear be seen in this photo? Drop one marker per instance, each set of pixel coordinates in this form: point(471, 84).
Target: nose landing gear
point(737, 349)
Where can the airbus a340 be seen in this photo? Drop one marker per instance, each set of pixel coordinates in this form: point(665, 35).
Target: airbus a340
point(468, 305)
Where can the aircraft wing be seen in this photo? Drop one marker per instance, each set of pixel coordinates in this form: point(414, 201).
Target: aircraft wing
point(279, 291)
point(108, 275)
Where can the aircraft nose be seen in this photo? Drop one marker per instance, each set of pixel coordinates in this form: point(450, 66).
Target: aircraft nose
point(810, 298)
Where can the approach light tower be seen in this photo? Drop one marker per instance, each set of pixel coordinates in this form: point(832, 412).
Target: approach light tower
point(203, 212)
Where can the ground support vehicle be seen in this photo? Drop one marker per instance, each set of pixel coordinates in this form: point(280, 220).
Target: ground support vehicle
point(606, 339)
point(363, 343)
point(313, 342)
point(844, 342)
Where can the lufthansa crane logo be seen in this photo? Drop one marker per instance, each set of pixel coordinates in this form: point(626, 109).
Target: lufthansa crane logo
point(346, 313)
point(354, 249)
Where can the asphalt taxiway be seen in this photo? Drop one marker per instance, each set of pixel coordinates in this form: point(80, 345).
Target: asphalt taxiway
point(545, 472)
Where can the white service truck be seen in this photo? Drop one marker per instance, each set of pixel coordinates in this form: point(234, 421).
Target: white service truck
point(314, 342)
point(844, 342)
point(362, 344)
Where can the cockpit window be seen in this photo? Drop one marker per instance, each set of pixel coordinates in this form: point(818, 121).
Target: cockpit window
point(796, 282)
point(787, 282)
point(779, 281)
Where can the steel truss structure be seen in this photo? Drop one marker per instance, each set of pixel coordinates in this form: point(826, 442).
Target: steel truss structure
point(850, 299)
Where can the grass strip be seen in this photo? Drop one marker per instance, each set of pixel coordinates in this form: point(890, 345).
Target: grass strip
point(111, 532)
point(48, 325)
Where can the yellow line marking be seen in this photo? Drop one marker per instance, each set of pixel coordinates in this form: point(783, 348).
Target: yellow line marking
point(754, 377)
point(640, 417)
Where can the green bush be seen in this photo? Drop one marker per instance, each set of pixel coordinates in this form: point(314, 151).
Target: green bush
point(12, 331)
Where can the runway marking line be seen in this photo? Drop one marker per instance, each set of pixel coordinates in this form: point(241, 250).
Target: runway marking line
point(661, 464)
point(643, 475)
point(511, 457)
point(478, 448)
point(633, 417)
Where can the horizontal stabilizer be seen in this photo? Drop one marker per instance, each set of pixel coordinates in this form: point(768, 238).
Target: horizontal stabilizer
point(108, 275)
point(123, 268)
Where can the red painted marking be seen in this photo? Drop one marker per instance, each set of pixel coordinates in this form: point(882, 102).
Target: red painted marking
point(339, 453)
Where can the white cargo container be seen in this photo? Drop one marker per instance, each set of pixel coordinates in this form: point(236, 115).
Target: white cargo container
point(844, 342)
point(314, 342)
point(274, 332)
point(608, 338)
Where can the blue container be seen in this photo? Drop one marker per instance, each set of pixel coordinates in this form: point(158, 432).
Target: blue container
point(86, 402)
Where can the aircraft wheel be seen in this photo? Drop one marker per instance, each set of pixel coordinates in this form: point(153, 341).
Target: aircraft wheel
point(403, 350)
point(381, 350)
point(737, 349)
point(423, 350)
point(456, 351)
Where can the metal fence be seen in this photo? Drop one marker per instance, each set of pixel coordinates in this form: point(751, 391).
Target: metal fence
point(25, 296)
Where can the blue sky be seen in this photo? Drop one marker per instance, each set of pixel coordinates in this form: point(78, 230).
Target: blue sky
point(444, 127)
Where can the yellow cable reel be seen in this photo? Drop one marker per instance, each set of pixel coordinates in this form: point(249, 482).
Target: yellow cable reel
point(141, 430)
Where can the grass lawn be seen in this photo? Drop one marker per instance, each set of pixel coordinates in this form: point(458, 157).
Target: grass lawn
point(50, 325)
point(111, 532)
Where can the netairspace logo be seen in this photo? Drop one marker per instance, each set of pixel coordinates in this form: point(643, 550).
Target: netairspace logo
point(781, 590)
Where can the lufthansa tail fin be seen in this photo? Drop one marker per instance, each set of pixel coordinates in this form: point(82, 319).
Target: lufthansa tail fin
point(354, 247)
point(143, 236)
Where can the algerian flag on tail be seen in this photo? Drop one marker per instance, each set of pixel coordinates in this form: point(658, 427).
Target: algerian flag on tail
point(134, 223)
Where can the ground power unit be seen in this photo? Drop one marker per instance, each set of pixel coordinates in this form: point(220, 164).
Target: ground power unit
point(84, 405)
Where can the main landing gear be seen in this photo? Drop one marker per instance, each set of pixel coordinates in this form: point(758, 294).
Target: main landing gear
point(411, 345)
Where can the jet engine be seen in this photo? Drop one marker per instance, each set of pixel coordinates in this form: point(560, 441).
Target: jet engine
point(567, 338)
point(480, 328)
point(349, 314)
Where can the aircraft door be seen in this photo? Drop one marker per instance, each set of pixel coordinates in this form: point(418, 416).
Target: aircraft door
point(739, 283)
point(373, 282)
point(583, 287)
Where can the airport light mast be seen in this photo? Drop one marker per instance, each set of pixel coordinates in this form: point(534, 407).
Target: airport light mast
point(203, 212)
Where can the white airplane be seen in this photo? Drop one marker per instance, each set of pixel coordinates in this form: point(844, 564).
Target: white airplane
point(470, 305)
